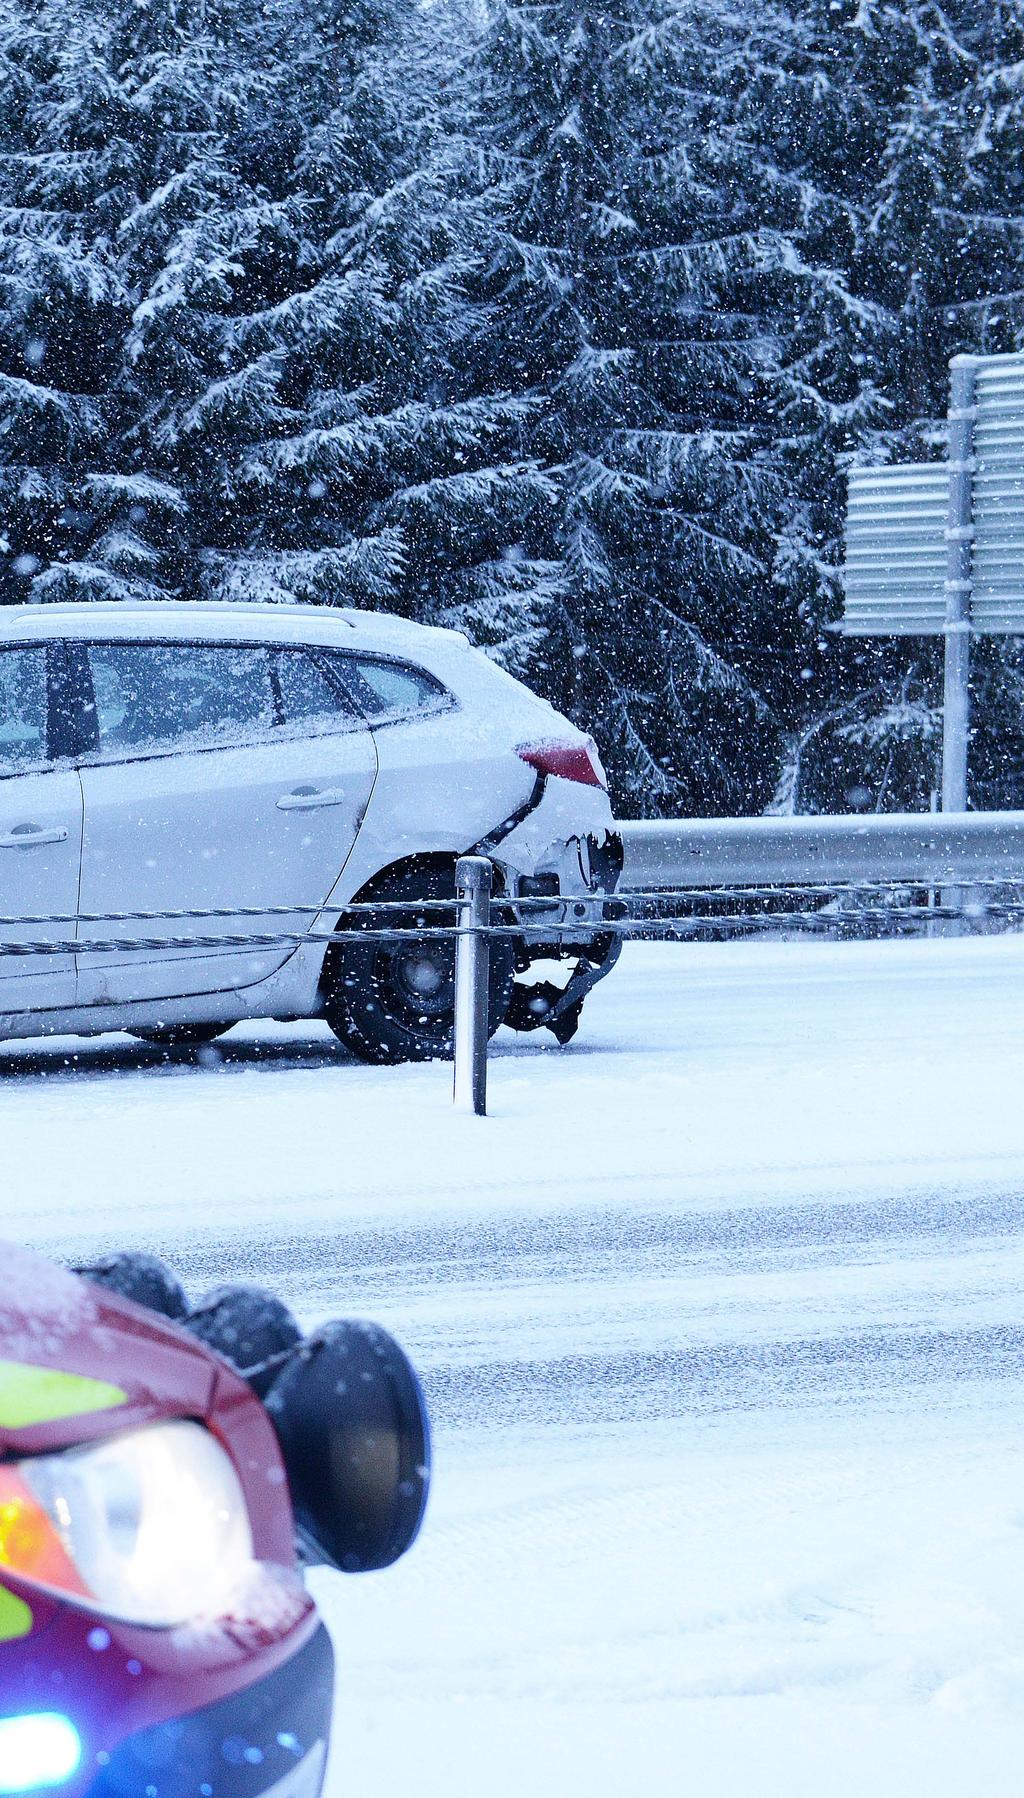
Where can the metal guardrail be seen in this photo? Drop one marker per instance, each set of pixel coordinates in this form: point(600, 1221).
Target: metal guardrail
point(675, 861)
point(920, 848)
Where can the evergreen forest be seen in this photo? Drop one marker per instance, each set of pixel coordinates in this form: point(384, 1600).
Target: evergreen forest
point(557, 323)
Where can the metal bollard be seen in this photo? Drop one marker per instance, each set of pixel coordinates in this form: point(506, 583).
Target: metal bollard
point(472, 980)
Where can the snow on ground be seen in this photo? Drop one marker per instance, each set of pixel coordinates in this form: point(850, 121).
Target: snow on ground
point(720, 1314)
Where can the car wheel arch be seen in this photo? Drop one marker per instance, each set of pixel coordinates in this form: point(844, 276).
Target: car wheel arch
point(428, 862)
point(393, 1000)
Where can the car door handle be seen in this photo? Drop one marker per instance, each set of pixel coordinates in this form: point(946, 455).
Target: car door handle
point(31, 836)
point(307, 799)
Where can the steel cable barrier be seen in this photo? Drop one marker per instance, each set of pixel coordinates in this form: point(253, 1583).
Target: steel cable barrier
point(687, 880)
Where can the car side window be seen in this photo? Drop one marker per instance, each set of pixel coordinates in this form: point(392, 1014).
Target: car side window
point(384, 689)
point(152, 698)
point(23, 710)
point(307, 699)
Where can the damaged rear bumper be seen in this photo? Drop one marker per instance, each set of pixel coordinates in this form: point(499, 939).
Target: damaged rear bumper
point(564, 910)
point(559, 859)
point(544, 1006)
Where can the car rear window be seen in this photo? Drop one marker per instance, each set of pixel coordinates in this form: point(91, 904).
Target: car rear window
point(22, 709)
point(384, 689)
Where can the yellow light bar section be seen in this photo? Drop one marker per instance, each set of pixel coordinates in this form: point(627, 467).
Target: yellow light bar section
point(15, 1617)
point(31, 1395)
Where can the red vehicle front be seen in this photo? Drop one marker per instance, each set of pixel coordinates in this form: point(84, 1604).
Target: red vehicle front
point(156, 1636)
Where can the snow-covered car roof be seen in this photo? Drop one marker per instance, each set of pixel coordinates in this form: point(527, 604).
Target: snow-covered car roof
point(337, 626)
point(448, 655)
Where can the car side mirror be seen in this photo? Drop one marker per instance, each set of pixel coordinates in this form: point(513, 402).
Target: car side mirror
point(354, 1433)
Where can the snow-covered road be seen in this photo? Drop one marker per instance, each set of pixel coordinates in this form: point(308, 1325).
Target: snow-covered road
point(721, 1314)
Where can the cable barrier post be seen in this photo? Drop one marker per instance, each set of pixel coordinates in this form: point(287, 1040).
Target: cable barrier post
point(472, 980)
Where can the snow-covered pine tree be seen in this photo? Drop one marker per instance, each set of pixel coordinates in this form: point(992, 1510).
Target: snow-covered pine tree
point(896, 125)
point(60, 291)
point(850, 175)
point(126, 196)
point(632, 287)
point(393, 476)
point(254, 389)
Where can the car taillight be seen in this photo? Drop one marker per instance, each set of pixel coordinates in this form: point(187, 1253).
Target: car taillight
point(570, 761)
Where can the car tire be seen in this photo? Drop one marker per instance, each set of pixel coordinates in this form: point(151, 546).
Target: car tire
point(395, 1002)
point(180, 1036)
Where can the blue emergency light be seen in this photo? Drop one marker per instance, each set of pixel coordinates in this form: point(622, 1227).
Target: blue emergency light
point(37, 1752)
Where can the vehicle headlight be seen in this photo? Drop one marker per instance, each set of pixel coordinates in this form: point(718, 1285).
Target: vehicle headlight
point(150, 1527)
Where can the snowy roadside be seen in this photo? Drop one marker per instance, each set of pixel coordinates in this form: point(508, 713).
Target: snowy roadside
point(783, 1606)
point(720, 1317)
point(702, 1074)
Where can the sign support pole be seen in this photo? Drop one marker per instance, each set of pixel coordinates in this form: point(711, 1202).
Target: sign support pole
point(959, 551)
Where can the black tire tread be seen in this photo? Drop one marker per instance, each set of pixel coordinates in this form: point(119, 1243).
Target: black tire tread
point(372, 1034)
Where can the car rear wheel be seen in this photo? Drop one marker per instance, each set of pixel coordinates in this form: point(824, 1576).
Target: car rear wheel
point(395, 1001)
